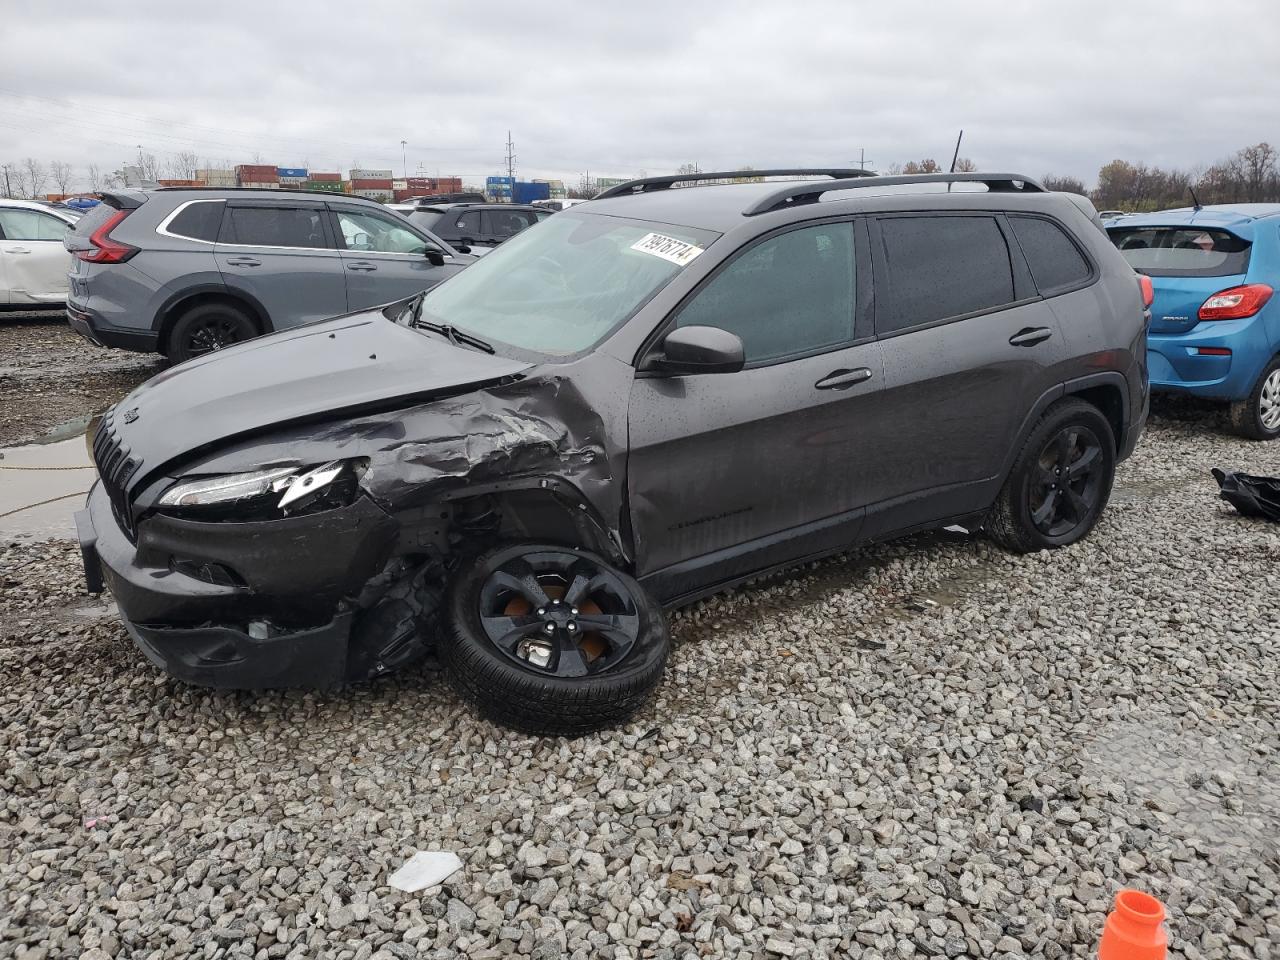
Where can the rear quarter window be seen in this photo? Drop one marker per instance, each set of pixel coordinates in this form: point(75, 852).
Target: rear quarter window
point(1056, 262)
point(1186, 251)
point(198, 221)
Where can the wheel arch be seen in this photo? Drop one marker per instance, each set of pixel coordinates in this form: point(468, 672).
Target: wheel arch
point(1108, 391)
point(183, 301)
point(547, 509)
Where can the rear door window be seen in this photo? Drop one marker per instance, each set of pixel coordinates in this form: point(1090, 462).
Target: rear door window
point(468, 224)
point(199, 220)
point(935, 268)
point(271, 226)
point(1182, 251)
point(1056, 263)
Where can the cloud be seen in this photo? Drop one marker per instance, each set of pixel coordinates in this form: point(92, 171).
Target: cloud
point(620, 89)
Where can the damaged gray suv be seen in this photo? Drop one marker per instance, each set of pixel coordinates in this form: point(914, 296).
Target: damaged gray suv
point(636, 403)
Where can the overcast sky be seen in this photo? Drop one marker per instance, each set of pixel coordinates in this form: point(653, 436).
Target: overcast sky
point(619, 89)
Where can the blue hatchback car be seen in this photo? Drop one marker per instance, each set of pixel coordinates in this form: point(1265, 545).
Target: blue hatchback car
point(1215, 330)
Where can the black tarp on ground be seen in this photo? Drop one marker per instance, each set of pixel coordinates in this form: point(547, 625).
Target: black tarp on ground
point(1252, 496)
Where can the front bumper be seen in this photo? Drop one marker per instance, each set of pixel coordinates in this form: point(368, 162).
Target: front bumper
point(1177, 367)
point(239, 605)
point(97, 331)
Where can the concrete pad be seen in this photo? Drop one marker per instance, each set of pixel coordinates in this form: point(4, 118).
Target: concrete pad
point(41, 486)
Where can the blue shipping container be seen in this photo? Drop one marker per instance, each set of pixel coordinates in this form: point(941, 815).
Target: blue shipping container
point(529, 192)
point(293, 172)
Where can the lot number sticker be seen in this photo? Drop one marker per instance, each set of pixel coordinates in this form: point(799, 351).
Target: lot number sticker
point(668, 248)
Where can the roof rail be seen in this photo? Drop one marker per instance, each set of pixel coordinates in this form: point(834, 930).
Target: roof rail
point(810, 192)
point(662, 183)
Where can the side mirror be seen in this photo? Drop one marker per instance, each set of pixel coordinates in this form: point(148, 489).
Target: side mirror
point(435, 257)
point(699, 350)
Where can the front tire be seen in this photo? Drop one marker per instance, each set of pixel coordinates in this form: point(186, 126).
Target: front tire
point(552, 640)
point(207, 327)
point(1060, 481)
point(1257, 416)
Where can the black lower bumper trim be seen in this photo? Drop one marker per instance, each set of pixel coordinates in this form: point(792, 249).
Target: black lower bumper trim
point(227, 658)
point(95, 331)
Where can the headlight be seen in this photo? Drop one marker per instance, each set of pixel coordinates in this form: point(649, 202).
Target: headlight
point(269, 494)
point(232, 486)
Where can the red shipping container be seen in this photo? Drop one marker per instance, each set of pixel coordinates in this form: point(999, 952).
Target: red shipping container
point(325, 177)
point(246, 168)
point(371, 185)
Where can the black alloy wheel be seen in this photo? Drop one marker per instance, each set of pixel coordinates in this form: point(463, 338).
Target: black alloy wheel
point(551, 639)
point(1060, 481)
point(208, 327)
point(558, 612)
point(1069, 481)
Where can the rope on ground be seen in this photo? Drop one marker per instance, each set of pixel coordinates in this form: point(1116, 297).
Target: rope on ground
point(30, 506)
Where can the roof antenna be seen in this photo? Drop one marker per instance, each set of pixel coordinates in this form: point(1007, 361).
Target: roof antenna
point(955, 157)
point(1194, 199)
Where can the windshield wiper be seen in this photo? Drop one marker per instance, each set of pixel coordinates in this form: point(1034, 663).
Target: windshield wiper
point(451, 333)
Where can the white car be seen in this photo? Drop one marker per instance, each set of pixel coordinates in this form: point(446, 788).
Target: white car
point(33, 261)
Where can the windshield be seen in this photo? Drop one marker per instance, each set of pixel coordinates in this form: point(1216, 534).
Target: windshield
point(1182, 251)
point(565, 284)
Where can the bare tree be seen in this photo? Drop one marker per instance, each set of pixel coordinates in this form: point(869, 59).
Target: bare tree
point(965, 165)
point(149, 164)
point(61, 173)
point(922, 166)
point(36, 176)
point(182, 166)
point(95, 178)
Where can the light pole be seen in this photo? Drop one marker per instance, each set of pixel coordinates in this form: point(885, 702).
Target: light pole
point(404, 162)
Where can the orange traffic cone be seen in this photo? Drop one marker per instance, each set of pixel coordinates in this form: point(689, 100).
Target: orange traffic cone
point(1134, 929)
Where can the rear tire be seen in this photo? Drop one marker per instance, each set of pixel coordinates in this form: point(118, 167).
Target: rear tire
point(1258, 415)
point(208, 327)
point(1060, 481)
point(509, 649)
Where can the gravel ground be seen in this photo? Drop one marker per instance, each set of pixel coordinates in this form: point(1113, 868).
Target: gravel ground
point(833, 767)
point(48, 375)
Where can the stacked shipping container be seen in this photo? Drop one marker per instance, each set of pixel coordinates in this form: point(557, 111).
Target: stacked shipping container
point(217, 177)
point(259, 175)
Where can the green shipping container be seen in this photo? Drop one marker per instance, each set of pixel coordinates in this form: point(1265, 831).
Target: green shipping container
point(333, 186)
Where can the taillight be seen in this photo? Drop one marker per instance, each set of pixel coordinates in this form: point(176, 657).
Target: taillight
point(106, 250)
point(1148, 290)
point(1236, 303)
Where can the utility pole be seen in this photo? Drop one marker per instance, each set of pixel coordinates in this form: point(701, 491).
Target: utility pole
point(511, 164)
point(403, 158)
point(862, 158)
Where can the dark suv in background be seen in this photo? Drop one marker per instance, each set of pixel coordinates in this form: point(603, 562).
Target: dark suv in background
point(648, 398)
point(477, 226)
point(185, 271)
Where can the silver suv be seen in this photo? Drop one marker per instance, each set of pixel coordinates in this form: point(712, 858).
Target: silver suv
point(187, 271)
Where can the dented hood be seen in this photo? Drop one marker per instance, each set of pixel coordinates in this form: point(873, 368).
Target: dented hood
point(350, 363)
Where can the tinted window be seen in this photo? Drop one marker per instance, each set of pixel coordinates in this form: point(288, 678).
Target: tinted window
point(1056, 263)
point(789, 295)
point(377, 234)
point(468, 224)
point(276, 226)
point(199, 221)
point(426, 219)
point(32, 225)
point(1182, 251)
point(939, 267)
point(507, 223)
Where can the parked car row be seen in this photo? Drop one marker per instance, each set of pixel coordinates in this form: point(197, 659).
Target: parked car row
point(638, 402)
point(188, 271)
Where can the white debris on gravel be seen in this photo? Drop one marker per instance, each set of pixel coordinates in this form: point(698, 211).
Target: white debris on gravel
point(824, 772)
point(426, 868)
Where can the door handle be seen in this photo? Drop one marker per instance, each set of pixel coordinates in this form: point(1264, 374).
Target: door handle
point(18, 250)
point(362, 266)
point(243, 262)
point(842, 379)
point(1030, 336)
